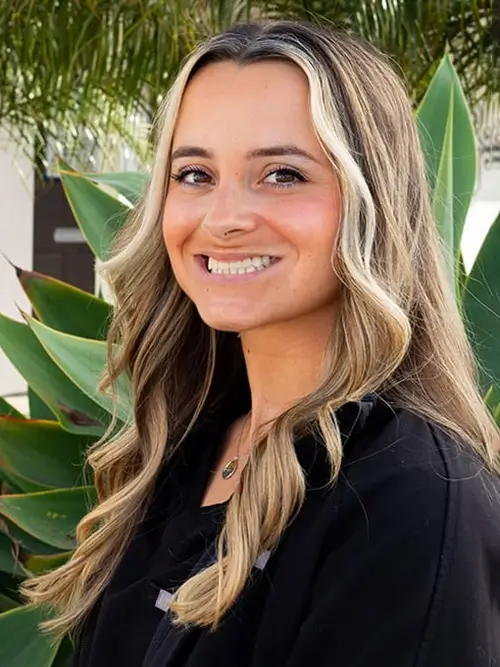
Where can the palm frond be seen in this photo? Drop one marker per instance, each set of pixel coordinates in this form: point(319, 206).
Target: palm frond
point(96, 63)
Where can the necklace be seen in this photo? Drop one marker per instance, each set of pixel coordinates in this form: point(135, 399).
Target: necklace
point(232, 466)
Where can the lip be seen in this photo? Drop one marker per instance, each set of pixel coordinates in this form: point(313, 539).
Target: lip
point(232, 277)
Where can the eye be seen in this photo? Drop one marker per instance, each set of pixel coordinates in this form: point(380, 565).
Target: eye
point(196, 175)
point(286, 176)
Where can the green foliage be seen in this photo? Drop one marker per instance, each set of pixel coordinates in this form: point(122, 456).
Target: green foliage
point(448, 141)
point(481, 308)
point(50, 516)
point(73, 65)
point(62, 354)
point(9, 561)
point(42, 451)
point(22, 644)
point(98, 214)
point(64, 307)
point(450, 147)
point(82, 360)
point(128, 184)
point(74, 410)
point(6, 409)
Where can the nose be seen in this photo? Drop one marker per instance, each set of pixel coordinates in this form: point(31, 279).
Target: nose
point(230, 214)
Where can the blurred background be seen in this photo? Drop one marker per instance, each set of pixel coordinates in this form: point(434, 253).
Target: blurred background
point(83, 79)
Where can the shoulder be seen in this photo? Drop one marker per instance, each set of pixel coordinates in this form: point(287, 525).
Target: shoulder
point(405, 475)
point(411, 549)
point(395, 444)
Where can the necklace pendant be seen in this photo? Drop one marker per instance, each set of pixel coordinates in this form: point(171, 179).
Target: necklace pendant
point(230, 468)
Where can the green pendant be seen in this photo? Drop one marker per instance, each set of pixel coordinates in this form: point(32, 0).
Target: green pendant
point(230, 468)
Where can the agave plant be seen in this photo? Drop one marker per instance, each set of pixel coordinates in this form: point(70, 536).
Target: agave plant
point(61, 353)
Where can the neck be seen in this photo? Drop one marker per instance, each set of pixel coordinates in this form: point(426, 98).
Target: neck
point(284, 363)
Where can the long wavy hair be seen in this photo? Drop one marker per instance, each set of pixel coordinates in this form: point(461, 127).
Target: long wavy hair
point(398, 330)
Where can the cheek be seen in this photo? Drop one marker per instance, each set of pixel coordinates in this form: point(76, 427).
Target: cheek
point(313, 228)
point(174, 236)
point(169, 237)
point(175, 229)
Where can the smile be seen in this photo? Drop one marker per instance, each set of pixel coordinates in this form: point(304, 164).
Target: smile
point(246, 268)
point(247, 265)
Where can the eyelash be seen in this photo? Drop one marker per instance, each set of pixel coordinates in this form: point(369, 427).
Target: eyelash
point(178, 177)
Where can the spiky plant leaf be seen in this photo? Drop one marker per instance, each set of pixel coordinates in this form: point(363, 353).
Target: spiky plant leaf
point(75, 411)
point(6, 409)
point(481, 308)
point(127, 183)
point(9, 557)
point(50, 516)
point(42, 452)
point(36, 564)
point(98, 214)
point(22, 644)
point(83, 361)
point(23, 541)
point(64, 307)
point(448, 141)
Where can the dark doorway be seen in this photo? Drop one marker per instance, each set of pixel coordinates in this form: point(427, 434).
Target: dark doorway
point(59, 249)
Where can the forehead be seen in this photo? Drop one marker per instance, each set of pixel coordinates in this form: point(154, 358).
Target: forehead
point(268, 98)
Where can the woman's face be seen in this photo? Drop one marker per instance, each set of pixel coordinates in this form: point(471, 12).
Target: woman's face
point(252, 208)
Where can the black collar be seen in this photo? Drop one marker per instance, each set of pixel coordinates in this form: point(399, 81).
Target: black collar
point(353, 419)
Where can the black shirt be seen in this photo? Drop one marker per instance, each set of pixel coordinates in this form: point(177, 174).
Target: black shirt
point(397, 566)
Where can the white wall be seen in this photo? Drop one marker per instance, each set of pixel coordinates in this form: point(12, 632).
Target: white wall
point(483, 211)
point(16, 242)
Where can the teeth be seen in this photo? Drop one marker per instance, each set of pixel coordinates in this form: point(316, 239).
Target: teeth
point(248, 265)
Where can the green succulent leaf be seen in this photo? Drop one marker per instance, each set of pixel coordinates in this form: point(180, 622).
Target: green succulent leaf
point(492, 397)
point(8, 410)
point(8, 561)
point(8, 483)
point(36, 564)
point(442, 199)
point(75, 411)
point(22, 643)
point(83, 361)
point(444, 98)
point(37, 408)
point(496, 414)
point(7, 603)
point(481, 309)
point(64, 307)
point(98, 214)
point(15, 483)
point(50, 516)
point(9, 585)
point(64, 655)
point(25, 542)
point(130, 184)
point(9, 558)
point(42, 451)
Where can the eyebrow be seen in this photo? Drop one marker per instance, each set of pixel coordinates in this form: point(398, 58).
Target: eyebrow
point(270, 151)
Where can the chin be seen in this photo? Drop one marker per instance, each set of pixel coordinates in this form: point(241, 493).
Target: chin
point(226, 322)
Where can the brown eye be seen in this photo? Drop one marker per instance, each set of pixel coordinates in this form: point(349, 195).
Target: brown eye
point(197, 176)
point(285, 176)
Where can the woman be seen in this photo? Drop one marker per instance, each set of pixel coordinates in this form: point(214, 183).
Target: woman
point(310, 475)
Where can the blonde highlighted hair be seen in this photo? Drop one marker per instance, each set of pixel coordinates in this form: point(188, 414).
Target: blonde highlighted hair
point(398, 329)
